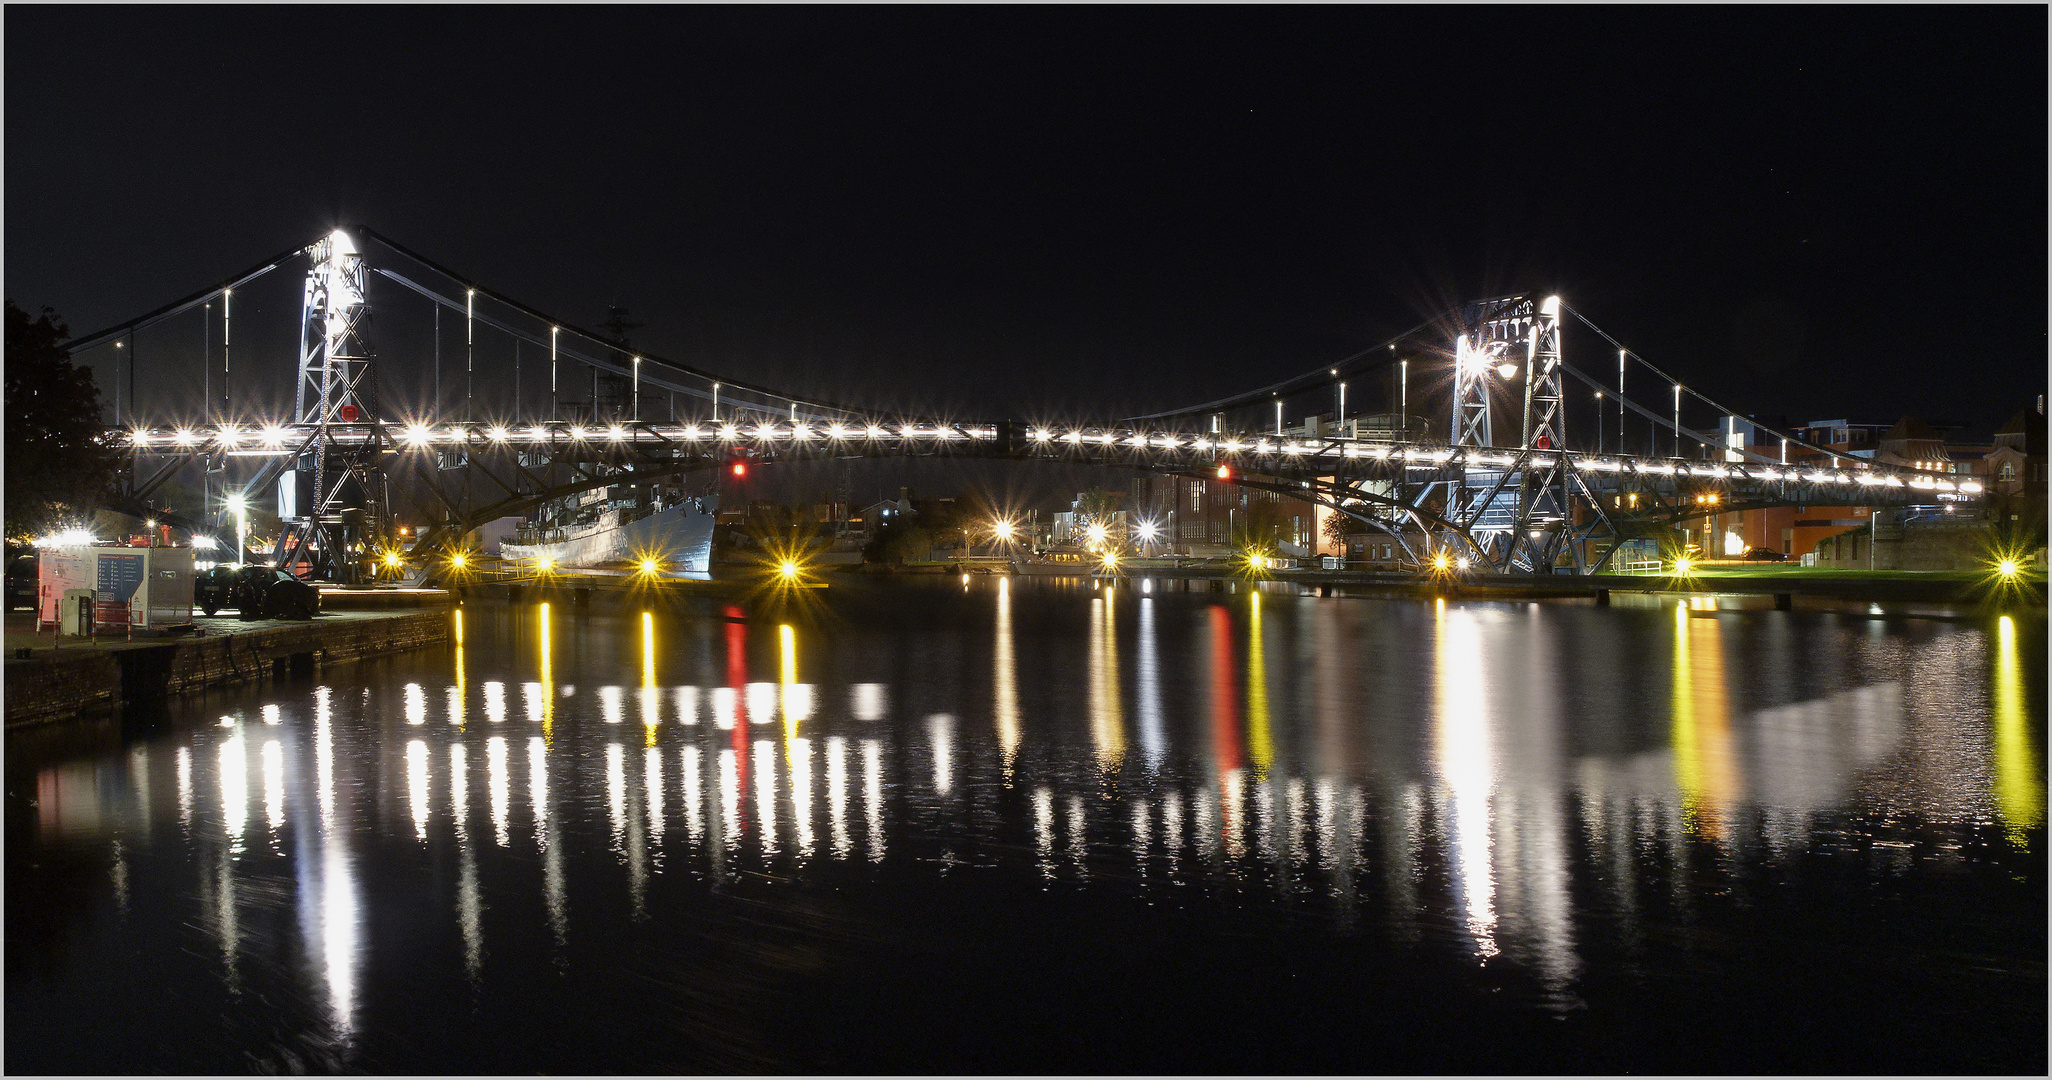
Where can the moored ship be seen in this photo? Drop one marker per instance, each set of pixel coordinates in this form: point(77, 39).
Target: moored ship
point(678, 535)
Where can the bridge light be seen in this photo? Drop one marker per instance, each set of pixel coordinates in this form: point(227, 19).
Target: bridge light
point(1440, 561)
point(616, 433)
point(459, 560)
point(392, 559)
point(787, 570)
point(729, 432)
point(1149, 530)
point(2007, 568)
point(496, 434)
point(577, 433)
point(1506, 369)
point(184, 437)
point(1684, 565)
point(837, 430)
point(1225, 472)
point(693, 433)
point(416, 435)
point(650, 566)
point(1073, 437)
point(1003, 529)
point(1461, 563)
point(1041, 434)
point(1111, 560)
point(273, 435)
point(874, 431)
point(139, 437)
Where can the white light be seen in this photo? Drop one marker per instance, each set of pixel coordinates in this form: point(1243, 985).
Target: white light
point(416, 435)
point(1041, 434)
point(907, 430)
point(875, 431)
point(203, 542)
point(1073, 438)
point(273, 435)
point(184, 437)
point(616, 433)
point(537, 433)
point(1233, 446)
point(1970, 486)
point(729, 432)
point(837, 430)
point(1200, 444)
point(139, 437)
point(764, 431)
point(693, 433)
point(1506, 370)
point(1148, 530)
point(577, 433)
point(496, 434)
point(800, 431)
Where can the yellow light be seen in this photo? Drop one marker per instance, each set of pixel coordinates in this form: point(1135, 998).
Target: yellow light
point(1111, 559)
point(1003, 529)
point(1440, 561)
point(392, 559)
point(459, 560)
point(2007, 568)
point(787, 570)
point(648, 566)
point(1684, 564)
point(543, 562)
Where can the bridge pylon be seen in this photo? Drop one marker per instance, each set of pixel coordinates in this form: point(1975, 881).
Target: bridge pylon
point(331, 496)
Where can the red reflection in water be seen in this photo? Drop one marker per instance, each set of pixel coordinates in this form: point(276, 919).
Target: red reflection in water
point(737, 678)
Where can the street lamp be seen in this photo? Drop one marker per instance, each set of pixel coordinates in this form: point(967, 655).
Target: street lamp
point(239, 506)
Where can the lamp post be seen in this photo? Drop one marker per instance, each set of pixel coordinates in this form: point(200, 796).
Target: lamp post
point(637, 389)
point(239, 506)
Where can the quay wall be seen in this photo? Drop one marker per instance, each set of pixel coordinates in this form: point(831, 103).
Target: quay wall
point(59, 687)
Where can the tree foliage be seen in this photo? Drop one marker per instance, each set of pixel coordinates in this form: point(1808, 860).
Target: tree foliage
point(59, 460)
point(895, 543)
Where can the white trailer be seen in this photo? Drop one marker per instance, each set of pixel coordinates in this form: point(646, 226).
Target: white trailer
point(133, 588)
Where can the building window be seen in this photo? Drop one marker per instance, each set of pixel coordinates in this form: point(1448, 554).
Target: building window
point(1196, 496)
point(2008, 472)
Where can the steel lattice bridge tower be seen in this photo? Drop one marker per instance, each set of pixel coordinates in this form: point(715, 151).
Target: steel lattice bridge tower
point(1552, 500)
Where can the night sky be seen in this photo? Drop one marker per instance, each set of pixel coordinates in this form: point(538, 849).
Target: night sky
point(1063, 211)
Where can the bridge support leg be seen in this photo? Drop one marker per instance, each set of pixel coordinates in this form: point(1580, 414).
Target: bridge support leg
point(1784, 601)
point(1603, 598)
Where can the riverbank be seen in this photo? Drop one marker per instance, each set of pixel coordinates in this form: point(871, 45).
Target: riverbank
point(57, 680)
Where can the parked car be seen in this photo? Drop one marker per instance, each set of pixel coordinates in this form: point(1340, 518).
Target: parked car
point(1764, 555)
point(256, 592)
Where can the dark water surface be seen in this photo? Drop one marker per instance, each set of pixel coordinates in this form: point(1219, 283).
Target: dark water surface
point(1036, 826)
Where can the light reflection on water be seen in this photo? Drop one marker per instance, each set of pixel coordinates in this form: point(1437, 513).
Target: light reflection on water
point(1517, 783)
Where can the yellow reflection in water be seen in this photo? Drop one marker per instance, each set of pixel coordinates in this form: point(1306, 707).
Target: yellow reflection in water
point(548, 682)
point(1005, 681)
point(1467, 767)
point(1107, 726)
point(787, 673)
point(1260, 745)
point(650, 696)
point(1704, 770)
point(457, 692)
point(2019, 792)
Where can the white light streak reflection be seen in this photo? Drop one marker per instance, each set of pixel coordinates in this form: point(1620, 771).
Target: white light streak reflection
point(416, 704)
point(837, 794)
point(729, 824)
point(723, 707)
point(652, 779)
point(872, 796)
point(1043, 830)
point(940, 731)
point(234, 790)
point(616, 792)
point(765, 767)
point(185, 789)
point(694, 794)
point(686, 698)
point(611, 704)
point(1466, 769)
point(495, 702)
point(799, 753)
point(496, 779)
point(417, 784)
point(867, 701)
point(274, 787)
point(762, 702)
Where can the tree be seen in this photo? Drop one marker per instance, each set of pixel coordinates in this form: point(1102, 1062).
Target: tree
point(897, 542)
point(1257, 526)
point(60, 462)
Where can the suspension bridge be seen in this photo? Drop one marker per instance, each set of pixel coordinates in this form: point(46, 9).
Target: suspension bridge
point(1486, 467)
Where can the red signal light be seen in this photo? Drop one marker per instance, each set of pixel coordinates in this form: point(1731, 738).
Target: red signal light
point(740, 468)
point(1225, 473)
